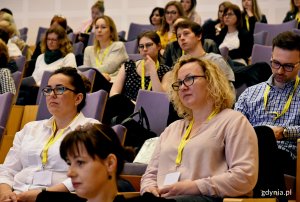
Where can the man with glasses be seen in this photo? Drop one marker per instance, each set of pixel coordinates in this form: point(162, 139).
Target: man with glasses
point(276, 102)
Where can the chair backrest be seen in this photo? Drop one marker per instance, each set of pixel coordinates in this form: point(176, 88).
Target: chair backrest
point(17, 76)
point(41, 32)
point(90, 74)
point(261, 53)
point(156, 106)
point(135, 29)
point(23, 30)
point(122, 34)
point(5, 106)
point(131, 46)
point(297, 31)
point(260, 38)
point(135, 57)
point(20, 61)
point(94, 106)
point(224, 52)
point(72, 37)
point(44, 82)
point(121, 132)
point(23, 37)
point(91, 39)
point(78, 48)
point(274, 29)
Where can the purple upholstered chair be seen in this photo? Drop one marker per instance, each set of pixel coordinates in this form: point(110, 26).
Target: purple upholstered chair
point(44, 83)
point(260, 37)
point(91, 39)
point(94, 106)
point(78, 48)
point(156, 106)
point(17, 76)
point(121, 132)
point(261, 53)
point(20, 61)
point(135, 57)
point(274, 29)
point(135, 29)
point(5, 106)
point(90, 74)
point(131, 47)
point(40, 34)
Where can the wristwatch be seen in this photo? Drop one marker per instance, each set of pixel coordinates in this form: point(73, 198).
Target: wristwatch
point(284, 133)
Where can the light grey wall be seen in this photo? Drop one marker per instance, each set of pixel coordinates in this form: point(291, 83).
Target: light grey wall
point(35, 13)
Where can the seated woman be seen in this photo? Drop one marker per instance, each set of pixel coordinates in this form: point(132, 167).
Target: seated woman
point(147, 74)
point(251, 14)
point(293, 13)
point(93, 151)
point(33, 163)
point(57, 51)
point(238, 41)
point(6, 81)
point(189, 7)
point(156, 17)
point(213, 151)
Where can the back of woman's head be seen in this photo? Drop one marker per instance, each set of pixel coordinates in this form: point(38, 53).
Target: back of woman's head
point(4, 57)
point(193, 5)
point(75, 80)
point(99, 141)
point(99, 5)
point(62, 21)
point(65, 45)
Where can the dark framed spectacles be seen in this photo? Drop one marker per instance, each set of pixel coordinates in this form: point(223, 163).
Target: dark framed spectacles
point(228, 14)
point(289, 67)
point(171, 12)
point(58, 90)
point(147, 45)
point(188, 81)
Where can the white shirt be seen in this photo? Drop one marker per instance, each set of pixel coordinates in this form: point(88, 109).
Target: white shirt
point(13, 49)
point(40, 65)
point(231, 41)
point(24, 157)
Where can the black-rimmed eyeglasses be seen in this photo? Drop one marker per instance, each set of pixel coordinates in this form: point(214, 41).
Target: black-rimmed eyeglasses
point(289, 67)
point(188, 81)
point(58, 90)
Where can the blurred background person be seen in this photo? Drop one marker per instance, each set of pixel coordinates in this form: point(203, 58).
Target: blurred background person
point(189, 7)
point(294, 12)
point(156, 17)
point(251, 14)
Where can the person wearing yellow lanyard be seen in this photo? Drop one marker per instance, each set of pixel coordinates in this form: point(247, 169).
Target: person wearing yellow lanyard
point(294, 12)
point(212, 151)
point(147, 74)
point(107, 54)
point(251, 14)
point(33, 163)
point(276, 103)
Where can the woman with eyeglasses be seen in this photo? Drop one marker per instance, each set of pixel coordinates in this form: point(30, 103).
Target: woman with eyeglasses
point(33, 163)
point(189, 7)
point(146, 74)
point(107, 54)
point(57, 51)
point(234, 37)
point(212, 152)
point(173, 10)
point(251, 14)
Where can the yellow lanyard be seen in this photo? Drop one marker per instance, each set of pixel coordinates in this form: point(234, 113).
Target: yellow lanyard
point(183, 53)
point(143, 76)
point(52, 139)
point(100, 62)
point(186, 137)
point(298, 17)
point(247, 22)
point(287, 104)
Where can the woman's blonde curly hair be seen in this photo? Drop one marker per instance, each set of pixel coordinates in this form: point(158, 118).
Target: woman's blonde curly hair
point(219, 90)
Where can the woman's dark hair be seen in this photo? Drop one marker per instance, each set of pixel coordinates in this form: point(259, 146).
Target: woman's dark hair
point(4, 57)
point(237, 12)
point(193, 5)
point(99, 140)
point(153, 36)
point(75, 80)
point(62, 21)
point(161, 12)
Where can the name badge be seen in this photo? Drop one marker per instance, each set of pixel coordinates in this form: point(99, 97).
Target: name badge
point(171, 178)
point(42, 177)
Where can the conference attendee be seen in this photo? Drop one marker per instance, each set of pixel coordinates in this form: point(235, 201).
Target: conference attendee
point(107, 54)
point(156, 17)
point(33, 163)
point(211, 27)
point(189, 7)
point(251, 14)
point(173, 10)
point(212, 152)
point(275, 103)
point(238, 41)
point(294, 12)
point(6, 81)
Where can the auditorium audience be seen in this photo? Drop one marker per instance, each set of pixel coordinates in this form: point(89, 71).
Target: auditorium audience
point(189, 7)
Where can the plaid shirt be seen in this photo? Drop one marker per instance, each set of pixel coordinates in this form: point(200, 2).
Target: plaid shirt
point(7, 83)
point(251, 104)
